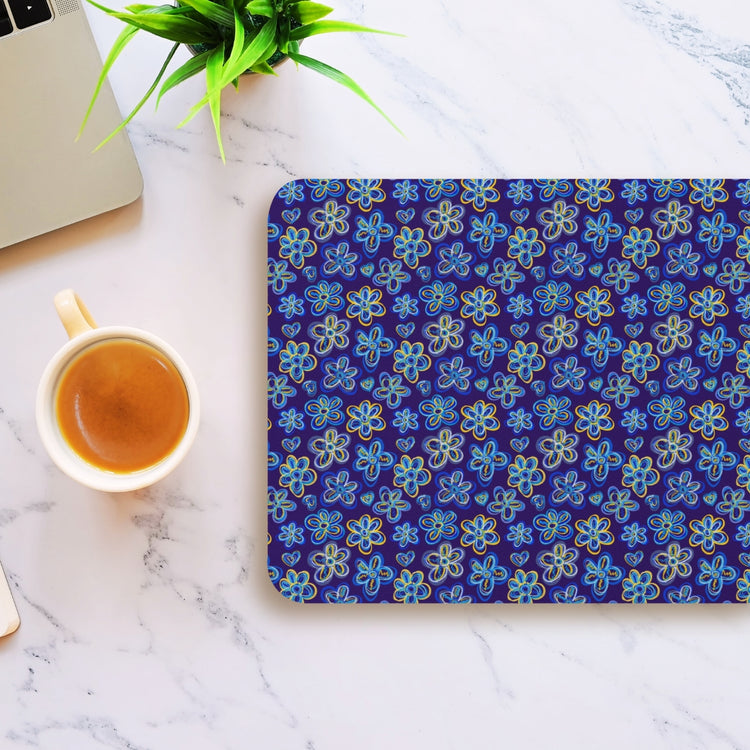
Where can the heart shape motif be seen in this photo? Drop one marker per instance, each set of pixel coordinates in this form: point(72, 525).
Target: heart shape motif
point(652, 501)
point(310, 387)
point(290, 215)
point(710, 384)
point(538, 501)
point(519, 330)
point(744, 215)
point(633, 558)
point(423, 501)
point(310, 501)
point(710, 269)
point(596, 384)
point(652, 272)
point(290, 559)
point(481, 498)
point(634, 329)
point(405, 330)
point(519, 558)
point(310, 272)
point(519, 444)
point(482, 270)
point(538, 273)
point(710, 498)
point(404, 559)
point(745, 444)
point(424, 387)
point(368, 498)
point(405, 444)
point(290, 444)
point(368, 269)
point(405, 215)
point(368, 383)
point(744, 329)
point(596, 269)
point(634, 444)
point(424, 273)
point(538, 386)
point(653, 387)
point(744, 558)
point(482, 384)
point(634, 215)
point(595, 498)
point(290, 330)
point(519, 215)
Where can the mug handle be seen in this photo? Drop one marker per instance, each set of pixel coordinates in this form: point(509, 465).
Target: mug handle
point(74, 315)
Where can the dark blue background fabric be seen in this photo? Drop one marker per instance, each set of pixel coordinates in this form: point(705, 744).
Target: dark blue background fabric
point(509, 390)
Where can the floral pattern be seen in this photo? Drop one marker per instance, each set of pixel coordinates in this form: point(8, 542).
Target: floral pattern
point(509, 391)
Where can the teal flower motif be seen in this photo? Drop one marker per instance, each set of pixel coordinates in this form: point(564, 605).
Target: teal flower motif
point(479, 193)
point(600, 231)
point(600, 574)
point(444, 562)
point(639, 246)
point(674, 218)
point(444, 220)
point(297, 586)
point(479, 533)
point(365, 193)
point(714, 573)
point(365, 533)
point(593, 193)
point(330, 562)
point(372, 231)
point(329, 220)
point(410, 474)
point(525, 587)
point(486, 573)
point(708, 193)
point(524, 245)
point(708, 533)
point(639, 587)
point(525, 360)
point(558, 220)
point(558, 562)
point(372, 573)
point(486, 230)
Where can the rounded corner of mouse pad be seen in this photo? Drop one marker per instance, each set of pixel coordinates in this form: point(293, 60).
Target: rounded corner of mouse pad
point(519, 390)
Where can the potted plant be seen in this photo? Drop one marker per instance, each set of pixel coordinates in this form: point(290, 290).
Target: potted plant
point(227, 38)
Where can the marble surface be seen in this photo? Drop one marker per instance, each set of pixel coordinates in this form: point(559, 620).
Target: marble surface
point(147, 619)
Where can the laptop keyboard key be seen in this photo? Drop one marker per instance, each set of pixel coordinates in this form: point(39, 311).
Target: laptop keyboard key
point(5, 25)
point(29, 12)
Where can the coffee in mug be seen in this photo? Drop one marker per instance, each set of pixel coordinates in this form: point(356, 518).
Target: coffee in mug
point(117, 407)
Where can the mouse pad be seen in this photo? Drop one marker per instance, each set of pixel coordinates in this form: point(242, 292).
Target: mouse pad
point(509, 390)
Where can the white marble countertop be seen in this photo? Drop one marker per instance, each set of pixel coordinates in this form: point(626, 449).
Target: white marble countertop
point(147, 619)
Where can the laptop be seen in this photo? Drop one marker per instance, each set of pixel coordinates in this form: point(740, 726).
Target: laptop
point(49, 65)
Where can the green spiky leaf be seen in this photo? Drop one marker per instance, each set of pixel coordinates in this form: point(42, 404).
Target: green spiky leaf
point(327, 27)
point(193, 66)
point(307, 11)
point(138, 106)
point(170, 25)
point(117, 47)
point(212, 11)
point(261, 8)
point(214, 66)
point(341, 78)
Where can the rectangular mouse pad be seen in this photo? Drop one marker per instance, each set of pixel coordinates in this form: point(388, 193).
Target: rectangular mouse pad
point(509, 390)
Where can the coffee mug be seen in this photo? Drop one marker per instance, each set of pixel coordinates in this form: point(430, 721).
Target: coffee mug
point(117, 408)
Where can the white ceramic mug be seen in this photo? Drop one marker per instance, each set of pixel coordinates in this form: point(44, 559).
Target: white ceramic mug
point(84, 333)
